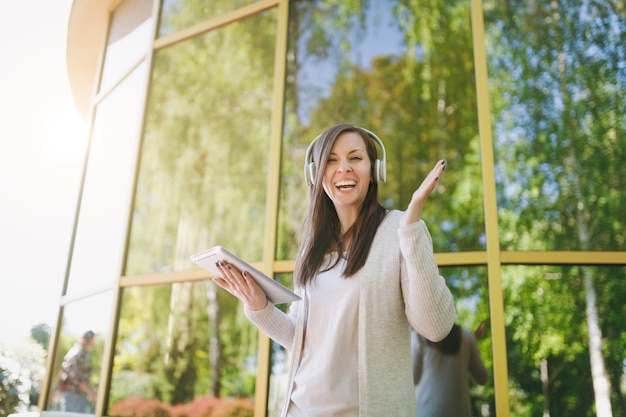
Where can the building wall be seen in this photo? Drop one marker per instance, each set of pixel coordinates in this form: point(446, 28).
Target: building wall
point(200, 114)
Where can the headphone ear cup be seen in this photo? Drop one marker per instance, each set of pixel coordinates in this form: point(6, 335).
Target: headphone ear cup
point(376, 170)
point(309, 165)
point(310, 173)
point(381, 171)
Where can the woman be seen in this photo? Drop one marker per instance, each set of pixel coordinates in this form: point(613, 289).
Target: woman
point(366, 275)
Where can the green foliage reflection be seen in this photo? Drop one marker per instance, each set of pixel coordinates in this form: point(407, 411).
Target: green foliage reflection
point(181, 341)
point(204, 160)
point(558, 94)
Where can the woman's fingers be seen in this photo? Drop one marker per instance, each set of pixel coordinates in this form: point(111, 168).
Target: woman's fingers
point(230, 276)
point(241, 285)
point(416, 205)
point(430, 182)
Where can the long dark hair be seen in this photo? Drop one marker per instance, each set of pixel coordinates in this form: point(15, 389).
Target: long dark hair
point(450, 344)
point(322, 230)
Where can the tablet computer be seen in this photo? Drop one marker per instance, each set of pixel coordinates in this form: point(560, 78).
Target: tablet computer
point(275, 292)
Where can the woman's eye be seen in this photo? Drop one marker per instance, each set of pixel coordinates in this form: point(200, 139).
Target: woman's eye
point(356, 158)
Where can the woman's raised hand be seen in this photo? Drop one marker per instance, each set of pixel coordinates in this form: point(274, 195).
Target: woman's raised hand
point(241, 285)
point(414, 210)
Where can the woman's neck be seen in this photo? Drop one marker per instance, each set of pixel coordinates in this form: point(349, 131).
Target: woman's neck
point(347, 218)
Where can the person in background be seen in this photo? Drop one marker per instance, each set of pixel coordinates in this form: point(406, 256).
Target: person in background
point(365, 274)
point(78, 395)
point(442, 372)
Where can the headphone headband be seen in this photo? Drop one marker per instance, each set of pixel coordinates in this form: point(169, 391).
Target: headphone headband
point(380, 169)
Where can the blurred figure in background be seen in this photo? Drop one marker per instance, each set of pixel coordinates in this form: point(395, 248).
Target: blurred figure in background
point(442, 372)
point(78, 396)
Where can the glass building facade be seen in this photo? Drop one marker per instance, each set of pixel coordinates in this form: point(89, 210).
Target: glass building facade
point(200, 114)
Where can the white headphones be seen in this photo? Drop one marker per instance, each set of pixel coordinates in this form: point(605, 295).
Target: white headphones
point(380, 169)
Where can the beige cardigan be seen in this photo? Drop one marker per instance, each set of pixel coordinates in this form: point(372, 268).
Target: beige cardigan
point(400, 287)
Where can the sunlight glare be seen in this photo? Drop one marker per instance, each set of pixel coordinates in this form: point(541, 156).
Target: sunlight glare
point(63, 134)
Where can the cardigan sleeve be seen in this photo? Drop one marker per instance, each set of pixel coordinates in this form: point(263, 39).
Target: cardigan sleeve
point(429, 304)
point(275, 323)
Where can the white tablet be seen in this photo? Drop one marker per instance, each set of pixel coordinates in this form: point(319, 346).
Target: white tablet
point(275, 292)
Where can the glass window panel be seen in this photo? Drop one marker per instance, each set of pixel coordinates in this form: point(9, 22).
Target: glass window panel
point(469, 286)
point(390, 68)
point(180, 14)
point(108, 187)
point(550, 313)
point(129, 39)
point(89, 314)
point(278, 379)
point(278, 362)
point(558, 99)
point(204, 163)
point(183, 349)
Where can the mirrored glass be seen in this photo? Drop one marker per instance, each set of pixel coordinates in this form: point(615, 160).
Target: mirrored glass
point(128, 40)
point(563, 325)
point(278, 362)
point(108, 188)
point(388, 67)
point(557, 75)
point(180, 14)
point(469, 286)
point(204, 163)
point(183, 349)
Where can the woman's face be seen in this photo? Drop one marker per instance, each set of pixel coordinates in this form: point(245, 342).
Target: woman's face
point(348, 172)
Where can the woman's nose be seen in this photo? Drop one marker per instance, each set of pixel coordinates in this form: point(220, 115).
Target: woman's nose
point(344, 166)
